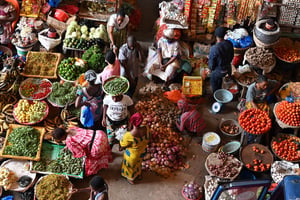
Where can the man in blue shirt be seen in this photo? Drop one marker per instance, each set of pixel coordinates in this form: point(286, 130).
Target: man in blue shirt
point(220, 57)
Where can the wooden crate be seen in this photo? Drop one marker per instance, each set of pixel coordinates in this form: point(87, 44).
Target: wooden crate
point(192, 85)
point(38, 155)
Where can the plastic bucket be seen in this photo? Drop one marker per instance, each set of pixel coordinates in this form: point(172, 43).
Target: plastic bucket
point(232, 147)
point(23, 51)
point(210, 142)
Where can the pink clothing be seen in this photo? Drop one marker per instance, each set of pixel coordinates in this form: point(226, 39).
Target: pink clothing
point(5, 11)
point(108, 72)
point(96, 158)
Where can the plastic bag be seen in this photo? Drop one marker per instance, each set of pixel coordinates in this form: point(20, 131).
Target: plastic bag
point(7, 198)
point(54, 3)
point(245, 41)
point(86, 117)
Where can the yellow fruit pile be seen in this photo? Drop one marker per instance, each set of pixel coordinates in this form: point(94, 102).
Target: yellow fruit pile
point(27, 112)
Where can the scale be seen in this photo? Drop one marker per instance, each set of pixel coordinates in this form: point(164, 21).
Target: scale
point(222, 96)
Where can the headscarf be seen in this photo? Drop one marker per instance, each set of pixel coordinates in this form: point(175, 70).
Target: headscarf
point(169, 33)
point(136, 119)
point(184, 106)
point(90, 76)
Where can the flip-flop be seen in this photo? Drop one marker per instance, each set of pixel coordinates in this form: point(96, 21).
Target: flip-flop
point(130, 182)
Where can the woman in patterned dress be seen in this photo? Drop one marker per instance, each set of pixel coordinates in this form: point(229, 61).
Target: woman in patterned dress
point(134, 143)
point(89, 143)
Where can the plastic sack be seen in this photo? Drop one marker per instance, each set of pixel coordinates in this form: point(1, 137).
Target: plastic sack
point(235, 43)
point(7, 198)
point(200, 49)
point(245, 41)
point(174, 95)
point(86, 117)
point(54, 3)
point(120, 132)
point(244, 69)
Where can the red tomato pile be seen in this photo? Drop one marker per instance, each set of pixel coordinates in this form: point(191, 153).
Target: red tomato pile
point(255, 121)
point(288, 113)
point(287, 54)
point(287, 148)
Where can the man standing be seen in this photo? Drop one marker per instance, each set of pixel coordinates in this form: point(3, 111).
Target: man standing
point(220, 57)
point(130, 57)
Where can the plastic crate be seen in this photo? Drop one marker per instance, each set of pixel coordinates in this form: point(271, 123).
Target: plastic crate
point(192, 85)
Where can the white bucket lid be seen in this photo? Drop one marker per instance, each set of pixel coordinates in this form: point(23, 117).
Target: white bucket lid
point(211, 138)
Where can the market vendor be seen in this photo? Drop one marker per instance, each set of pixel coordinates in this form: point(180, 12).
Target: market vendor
point(190, 120)
point(131, 57)
point(84, 142)
point(220, 57)
point(8, 14)
point(116, 112)
point(92, 96)
point(261, 93)
point(167, 60)
point(117, 29)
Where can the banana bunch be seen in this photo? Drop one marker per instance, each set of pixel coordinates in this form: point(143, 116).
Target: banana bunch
point(69, 120)
point(6, 117)
point(9, 81)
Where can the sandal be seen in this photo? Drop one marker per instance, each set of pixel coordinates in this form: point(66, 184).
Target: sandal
point(130, 182)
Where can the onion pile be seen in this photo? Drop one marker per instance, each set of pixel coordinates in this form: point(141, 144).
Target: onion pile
point(192, 190)
point(165, 151)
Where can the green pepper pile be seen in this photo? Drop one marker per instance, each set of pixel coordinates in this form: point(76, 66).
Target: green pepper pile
point(116, 86)
point(24, 141)
point(65, 163)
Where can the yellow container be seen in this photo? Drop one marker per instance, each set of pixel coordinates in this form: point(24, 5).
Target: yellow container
point(192, 85)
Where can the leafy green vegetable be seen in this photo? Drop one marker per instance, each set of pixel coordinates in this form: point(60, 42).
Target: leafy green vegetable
point(24, 141)
point(94, 58)
point(63, 94)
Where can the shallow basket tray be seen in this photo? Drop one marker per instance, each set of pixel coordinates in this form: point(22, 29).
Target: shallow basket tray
point(112, 78)
point(31, 80)
point(31, 123)
point(41, 178)
point(38, 155)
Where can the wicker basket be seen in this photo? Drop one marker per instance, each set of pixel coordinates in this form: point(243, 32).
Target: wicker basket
point(48, 43)
point(267, 37)
point(6, 50)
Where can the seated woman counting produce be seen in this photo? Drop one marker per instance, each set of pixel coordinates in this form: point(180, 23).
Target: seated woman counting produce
point(261, 93)
point(89, 143)
point(167, 60)
point(135, 144)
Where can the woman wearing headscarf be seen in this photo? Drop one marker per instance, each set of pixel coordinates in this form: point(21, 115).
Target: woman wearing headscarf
point(135, 144)
point(93, 145)
point(91, 96)
point(190, 119)
point(165, 64)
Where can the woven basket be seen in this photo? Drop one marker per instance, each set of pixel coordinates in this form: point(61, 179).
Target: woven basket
point(48, 43)
point(267, 37)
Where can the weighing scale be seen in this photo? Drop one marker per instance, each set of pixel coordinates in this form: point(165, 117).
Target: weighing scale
point(222, 96)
